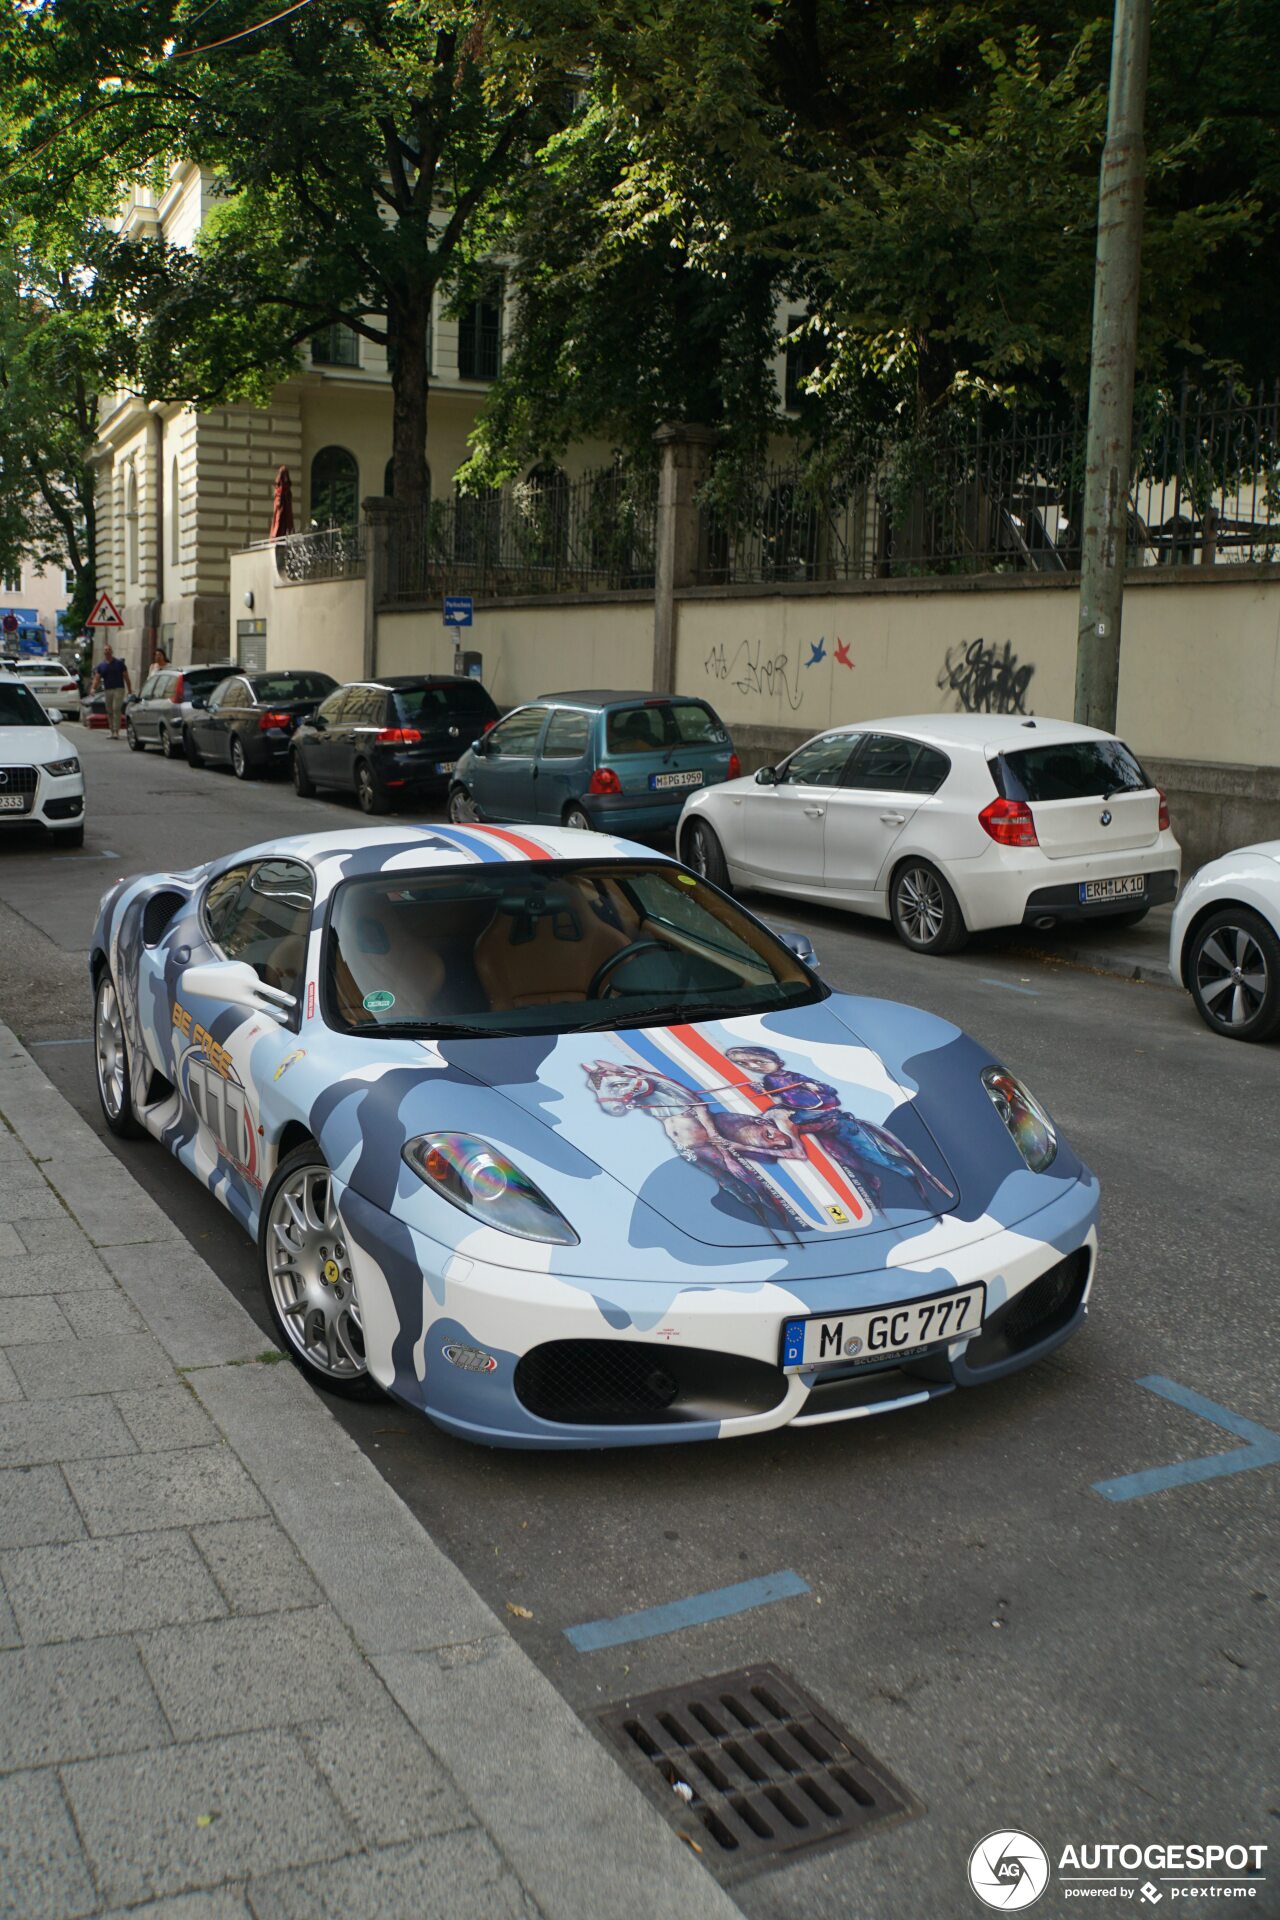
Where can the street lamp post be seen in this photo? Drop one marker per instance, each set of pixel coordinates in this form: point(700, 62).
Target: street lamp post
point(1115, 338)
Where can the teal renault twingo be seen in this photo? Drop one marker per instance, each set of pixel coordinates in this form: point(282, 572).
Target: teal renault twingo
point(616, 762)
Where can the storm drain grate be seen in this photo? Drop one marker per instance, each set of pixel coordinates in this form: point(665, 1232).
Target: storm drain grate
point(758, 1763)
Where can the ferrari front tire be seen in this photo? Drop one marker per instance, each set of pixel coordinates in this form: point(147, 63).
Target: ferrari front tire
point(308, 1279)
point(111, 1060)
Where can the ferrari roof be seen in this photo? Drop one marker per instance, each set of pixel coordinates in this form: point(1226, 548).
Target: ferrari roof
point(448, 845)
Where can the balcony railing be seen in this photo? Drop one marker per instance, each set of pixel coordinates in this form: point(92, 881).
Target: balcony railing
point(323, 553)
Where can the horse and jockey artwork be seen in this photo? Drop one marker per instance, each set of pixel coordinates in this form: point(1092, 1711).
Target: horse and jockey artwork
point(775, 1139)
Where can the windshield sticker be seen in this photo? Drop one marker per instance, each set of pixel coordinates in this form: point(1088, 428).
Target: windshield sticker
point(380, 1002)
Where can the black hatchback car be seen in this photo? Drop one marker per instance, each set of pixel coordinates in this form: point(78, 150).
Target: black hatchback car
point(247, 721)
point(391, 739)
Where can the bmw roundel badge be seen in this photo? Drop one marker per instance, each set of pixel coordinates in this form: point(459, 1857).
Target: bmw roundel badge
point(1105, 817)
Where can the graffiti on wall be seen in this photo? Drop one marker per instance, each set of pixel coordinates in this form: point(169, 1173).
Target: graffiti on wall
point(750, 671)
point(985, 678)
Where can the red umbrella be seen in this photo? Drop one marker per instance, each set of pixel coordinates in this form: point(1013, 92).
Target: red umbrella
point(282, 506)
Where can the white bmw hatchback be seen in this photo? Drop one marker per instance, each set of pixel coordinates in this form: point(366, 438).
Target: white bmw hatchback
point(946, 824)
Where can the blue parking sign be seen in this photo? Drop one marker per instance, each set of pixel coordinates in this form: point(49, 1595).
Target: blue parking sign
point(457, 610)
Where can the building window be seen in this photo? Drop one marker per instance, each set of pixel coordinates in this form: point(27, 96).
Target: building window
point(335, 346)
point(131, 524)
point(546, 502)
point(804, 358)
point(480, 336)
point(12, 583)
point(335, 488)
point(175, 509)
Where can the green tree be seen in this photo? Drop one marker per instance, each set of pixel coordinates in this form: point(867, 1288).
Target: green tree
point(362, 150)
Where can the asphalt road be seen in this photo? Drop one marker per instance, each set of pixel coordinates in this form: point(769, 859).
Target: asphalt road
point(1019, 1651)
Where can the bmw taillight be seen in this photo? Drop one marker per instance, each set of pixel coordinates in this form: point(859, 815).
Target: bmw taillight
point(399, 737)
point(1164, 811)
point(178, 694)
point(1010, 823)
point(269, 720)
point(604, 780)
point(735, 766)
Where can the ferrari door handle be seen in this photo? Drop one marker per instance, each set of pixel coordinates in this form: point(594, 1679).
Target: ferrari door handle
point(814, 813)
point(894, 819)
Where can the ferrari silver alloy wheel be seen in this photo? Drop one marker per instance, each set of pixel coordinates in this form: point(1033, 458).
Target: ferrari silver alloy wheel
point(921, 906)
point(108, 1044)
point(311, 1279)
point(1231, 975)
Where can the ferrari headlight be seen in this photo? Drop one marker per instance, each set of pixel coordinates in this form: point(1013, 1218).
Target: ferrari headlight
point(485, 1184)
point(59, 769)
point(1030, 1127)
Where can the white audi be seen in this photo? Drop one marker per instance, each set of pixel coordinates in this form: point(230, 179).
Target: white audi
point(946, 824)
point(41, 783)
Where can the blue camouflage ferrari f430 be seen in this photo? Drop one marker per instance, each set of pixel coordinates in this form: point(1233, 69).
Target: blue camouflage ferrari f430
point(551, 1139)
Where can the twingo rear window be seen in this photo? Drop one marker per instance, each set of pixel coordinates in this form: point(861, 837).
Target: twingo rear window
point(655, 725)
point(1072, 770)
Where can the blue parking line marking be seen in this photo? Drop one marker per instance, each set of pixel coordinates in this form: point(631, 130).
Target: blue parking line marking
point(1032, 993)
point(719, 1604)
point(1263, 1449)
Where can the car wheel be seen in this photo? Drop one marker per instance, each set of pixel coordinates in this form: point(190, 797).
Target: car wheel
point(926, 914)
point(240, 759)
point(463, 810)
point(194, 756)
point(703, 852)
point(369, 795)
point(111, 1058)
point(70, 836)
point(575, 817)
point(308, 1279)
point(167, 748)
point(1233, 971)
point(303, 784)
point(135, 745)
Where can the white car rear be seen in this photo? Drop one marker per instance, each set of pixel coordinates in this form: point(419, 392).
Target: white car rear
point(41, 783)
point(54, 685)
point(946, 824)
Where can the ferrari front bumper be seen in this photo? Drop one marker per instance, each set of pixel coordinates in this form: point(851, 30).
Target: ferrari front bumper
point(513, 1358)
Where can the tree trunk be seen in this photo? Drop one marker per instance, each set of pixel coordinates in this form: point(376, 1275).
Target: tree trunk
point(408, 321)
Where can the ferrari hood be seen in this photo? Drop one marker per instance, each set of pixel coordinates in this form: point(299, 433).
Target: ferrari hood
point(738, 1132)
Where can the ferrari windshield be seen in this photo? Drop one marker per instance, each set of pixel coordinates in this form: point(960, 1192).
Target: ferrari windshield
point(548, 948)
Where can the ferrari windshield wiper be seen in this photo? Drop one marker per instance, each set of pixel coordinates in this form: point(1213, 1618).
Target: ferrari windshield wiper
point(438, 1030)
point(662, 1013)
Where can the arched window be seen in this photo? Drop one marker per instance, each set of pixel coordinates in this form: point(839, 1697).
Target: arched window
point(131, 524)
point(175, 510)
point(388, 481)
point(335, 488)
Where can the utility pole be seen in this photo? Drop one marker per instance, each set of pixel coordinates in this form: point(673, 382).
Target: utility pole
point(1104, 538)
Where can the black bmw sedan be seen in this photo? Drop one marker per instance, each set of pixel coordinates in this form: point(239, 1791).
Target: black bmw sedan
point(392, 739)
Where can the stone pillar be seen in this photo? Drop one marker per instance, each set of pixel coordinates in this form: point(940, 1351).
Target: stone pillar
point(685, 453)
point(378, 511)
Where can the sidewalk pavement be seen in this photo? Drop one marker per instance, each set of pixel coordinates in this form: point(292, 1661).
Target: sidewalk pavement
point(238, 1678)
point(1136, 953)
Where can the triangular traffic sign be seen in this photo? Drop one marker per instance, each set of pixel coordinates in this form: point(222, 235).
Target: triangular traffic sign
point(105, 613)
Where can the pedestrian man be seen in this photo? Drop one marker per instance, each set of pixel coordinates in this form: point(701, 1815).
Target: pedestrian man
point(112, 676)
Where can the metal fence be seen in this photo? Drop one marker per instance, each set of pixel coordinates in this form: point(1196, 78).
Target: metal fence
point(546, 534)
point(1206, 490)
point(323, 553)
